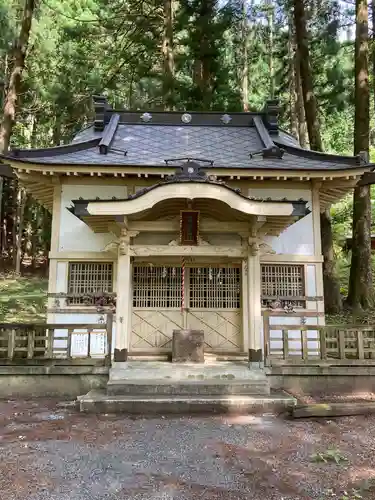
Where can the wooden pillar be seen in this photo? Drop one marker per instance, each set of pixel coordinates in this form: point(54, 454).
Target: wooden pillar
point(123, 304)
point(254, 307)
point(55, 246)
point(319, 290)
point(245, 306)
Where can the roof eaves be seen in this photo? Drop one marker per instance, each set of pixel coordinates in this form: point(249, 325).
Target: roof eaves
point(6, 171)
point(318, 155)
point(80, 207)
point(28, 154)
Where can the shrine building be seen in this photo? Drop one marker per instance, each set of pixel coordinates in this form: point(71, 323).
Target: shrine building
point(188, 221)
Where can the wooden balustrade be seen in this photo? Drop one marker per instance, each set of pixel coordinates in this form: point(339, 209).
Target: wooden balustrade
point(31, 342)
point(288, 343)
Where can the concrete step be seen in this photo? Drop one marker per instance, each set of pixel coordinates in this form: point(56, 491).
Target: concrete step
point(175, 372)
point(100, 402)
point(189, 387)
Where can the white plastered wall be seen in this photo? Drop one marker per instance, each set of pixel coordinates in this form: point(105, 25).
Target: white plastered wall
point(297, 239)
point(75, 235)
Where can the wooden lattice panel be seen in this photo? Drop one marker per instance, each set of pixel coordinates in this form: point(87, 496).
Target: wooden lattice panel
point(212, 298)
point(214, 306)
point(89, 277)
point(152, 329)
point(283, 281)
point(222, 329)
point(214, 288)
point(157, 298)
point(156, 287)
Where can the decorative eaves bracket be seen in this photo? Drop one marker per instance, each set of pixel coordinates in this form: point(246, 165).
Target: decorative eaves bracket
point(367, 179)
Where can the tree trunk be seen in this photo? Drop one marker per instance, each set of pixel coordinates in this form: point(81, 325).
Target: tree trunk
point(168, 56)
point(373, 48)
point(20, 225)
point(270, 14)
point(297, 112)
point(34, 237)
point(3, 93)
point(360, 281)
point(244, 56)
point(300, 110)
point(203, 75)
point(330, 278)
point(293, 117)
point(18, 64)
point(56, 132)
point(1, 220)
point(331, 284)
point(312, 121)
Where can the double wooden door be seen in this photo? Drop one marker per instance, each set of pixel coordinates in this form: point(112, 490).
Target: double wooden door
point(204, 298)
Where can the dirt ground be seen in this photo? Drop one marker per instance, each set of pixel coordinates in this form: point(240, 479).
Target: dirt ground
point(48, 451)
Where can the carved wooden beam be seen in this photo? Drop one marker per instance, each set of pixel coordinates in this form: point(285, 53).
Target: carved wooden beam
point(176, 250)
point(367, 179)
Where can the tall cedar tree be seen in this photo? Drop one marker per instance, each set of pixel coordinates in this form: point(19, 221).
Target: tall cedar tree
point(9, 114)
point(373, 48)
point(168, 56)
point(245, 63)
point(332, 295)
point(203, 49)
point(360, 281)
point(17, 67)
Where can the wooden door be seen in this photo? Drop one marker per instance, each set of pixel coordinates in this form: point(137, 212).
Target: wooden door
point(214, 306)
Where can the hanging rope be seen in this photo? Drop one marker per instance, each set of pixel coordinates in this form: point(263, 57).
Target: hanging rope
point(183, 284)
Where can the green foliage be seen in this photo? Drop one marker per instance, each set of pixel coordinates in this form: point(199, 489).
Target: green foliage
point(23, 299)
point(329, 456)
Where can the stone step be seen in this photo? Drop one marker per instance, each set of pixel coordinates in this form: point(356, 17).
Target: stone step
point(172, 372)
point(189, 387)
point(100, 402)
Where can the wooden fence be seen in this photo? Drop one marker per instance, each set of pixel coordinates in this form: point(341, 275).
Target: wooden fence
point(26, 343)
point(287, 342)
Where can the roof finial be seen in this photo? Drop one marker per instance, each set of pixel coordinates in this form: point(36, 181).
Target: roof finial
point(363, 157)
point(272, 110)
point(100, 107)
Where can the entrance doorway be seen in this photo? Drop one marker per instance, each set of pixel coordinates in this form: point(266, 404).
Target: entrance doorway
point(211, 296)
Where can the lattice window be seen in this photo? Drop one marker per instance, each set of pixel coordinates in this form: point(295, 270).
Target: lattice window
point(158, 287)
point(215, 288)
point(89, 277)
point(283, 282)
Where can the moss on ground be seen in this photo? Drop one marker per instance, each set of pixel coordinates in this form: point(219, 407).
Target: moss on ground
point(23, 299)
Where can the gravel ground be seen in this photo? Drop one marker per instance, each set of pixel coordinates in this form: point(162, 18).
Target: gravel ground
point(48, 452)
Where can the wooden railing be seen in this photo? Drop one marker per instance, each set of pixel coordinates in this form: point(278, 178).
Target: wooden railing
point(24, 343)
point(289, 343)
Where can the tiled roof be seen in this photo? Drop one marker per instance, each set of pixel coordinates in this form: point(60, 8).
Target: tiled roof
point(153, 144)
point(240, 140)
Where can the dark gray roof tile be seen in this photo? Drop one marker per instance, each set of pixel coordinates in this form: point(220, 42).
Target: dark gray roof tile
point(151, 145)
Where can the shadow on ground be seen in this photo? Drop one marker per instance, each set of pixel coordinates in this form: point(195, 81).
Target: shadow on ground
point(48, 451)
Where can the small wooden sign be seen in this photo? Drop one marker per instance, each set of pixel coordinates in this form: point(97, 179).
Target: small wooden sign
point(189, 227)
